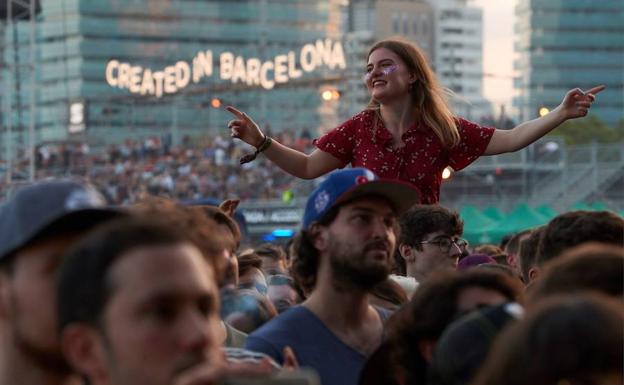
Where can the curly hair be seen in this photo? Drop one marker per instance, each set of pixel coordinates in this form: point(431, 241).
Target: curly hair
point(305, 263)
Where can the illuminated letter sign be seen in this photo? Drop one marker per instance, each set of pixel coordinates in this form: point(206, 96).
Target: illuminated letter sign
point(237, 69)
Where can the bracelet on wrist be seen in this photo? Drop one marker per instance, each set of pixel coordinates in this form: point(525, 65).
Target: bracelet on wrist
point(266, 143)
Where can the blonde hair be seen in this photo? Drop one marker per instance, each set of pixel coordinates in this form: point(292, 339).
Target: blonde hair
point(428, 95)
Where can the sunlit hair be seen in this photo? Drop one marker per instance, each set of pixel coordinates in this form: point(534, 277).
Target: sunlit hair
point(428, 95)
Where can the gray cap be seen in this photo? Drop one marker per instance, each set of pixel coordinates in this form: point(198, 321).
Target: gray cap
point(49, 207)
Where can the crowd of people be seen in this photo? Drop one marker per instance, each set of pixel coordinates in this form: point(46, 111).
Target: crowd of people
point(374, 289)
point(135, 284)
point(190, 170)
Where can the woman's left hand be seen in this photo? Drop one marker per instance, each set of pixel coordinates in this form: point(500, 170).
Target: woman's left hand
point(577, 102)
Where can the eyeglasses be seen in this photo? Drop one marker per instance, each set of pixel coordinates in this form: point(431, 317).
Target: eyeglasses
point(445, 243)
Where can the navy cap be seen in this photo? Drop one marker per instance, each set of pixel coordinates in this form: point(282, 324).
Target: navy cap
point(347, 184)
point(34, 210)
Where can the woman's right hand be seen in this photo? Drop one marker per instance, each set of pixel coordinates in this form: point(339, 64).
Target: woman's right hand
point(244, 128)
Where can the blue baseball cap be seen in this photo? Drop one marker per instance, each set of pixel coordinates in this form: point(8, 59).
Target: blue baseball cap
point(41, 208)
point(347, 184)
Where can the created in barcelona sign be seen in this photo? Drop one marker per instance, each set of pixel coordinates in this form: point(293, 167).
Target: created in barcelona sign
point(236, 69)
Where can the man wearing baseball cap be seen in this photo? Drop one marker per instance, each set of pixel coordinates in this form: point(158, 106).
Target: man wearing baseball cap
point(37, 224)
point(346, 246)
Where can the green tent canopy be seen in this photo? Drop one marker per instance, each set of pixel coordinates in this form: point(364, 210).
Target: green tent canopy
point(494, 213)
point(581, 206)
point(522, 217)
point(546, 211)
point(599, 206)
point(596, 206)
point(474, 223)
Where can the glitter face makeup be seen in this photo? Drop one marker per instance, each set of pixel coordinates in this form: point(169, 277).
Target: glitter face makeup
point(385, 71)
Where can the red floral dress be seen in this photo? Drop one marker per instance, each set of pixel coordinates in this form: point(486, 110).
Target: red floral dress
point(419, 162)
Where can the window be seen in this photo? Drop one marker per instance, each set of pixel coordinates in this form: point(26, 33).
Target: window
point(395, 22)
point(405, 25)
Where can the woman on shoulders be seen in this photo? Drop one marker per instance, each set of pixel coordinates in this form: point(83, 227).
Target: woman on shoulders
point(407, 131)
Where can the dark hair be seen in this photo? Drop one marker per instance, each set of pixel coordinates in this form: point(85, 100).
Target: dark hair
point(504, 269)
point(304, 265)
point(592, 266)
point(200, 229)
point(7, 263)
point(288, 248)
point(505, 240)
point(248, 259)
point(574, 338)
point(298, 285)
point(390, 291)
point(271, 251)
point(432, 308)
point(421, 220)
point(513, 245)
point(222, 218)
point(84, 284)
point(574, 228)
point(488, 249)
point(528, 253)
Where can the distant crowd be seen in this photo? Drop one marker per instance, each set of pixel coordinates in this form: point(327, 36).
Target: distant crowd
point(153, 166)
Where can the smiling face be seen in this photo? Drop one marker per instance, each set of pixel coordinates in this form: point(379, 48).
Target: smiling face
point(387, 77)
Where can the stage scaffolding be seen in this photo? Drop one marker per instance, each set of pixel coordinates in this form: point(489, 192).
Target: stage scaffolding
point(19, 29)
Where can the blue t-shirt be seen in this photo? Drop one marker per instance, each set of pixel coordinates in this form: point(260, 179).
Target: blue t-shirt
point(314, 344)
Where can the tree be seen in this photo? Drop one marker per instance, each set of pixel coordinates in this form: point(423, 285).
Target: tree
point(591, 128)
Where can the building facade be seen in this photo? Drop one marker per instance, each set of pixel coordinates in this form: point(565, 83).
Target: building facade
point(448, 31)
point(564, 44)
point(107, 70)
point(458, 55)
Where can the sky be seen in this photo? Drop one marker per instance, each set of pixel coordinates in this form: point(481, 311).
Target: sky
point(497, 50)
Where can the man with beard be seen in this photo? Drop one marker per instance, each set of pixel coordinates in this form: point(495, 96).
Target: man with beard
point(37, 224)
point(345, 248)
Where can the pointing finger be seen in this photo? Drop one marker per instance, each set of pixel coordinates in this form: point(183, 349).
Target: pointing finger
point(236, 112)
point(596, 89)
point(240, 115)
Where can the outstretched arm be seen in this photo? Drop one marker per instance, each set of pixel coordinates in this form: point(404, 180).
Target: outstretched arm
point(292, 161)
point(575, 104)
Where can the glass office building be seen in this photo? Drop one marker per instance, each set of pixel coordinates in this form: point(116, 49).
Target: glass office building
point(106, 70)
point(563, 44)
